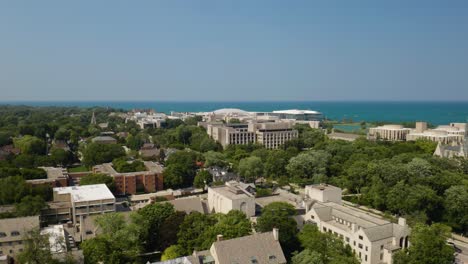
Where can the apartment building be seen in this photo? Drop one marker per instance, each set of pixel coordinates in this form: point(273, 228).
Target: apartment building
point(12, 234)
point(372, 238)
point(232, 196)
point(270, 134)
point(273, 135)
point(230, 134)
point(56, 177)
point(147, 181)
point(80, 201)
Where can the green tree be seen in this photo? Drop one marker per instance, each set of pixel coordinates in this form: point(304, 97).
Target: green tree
point(172, 252)
point(170, 227)
point(251, 168)
point(279, 215)
point(323, 248)
point(61, 157)
point(30, 205)
point(202, 178)
point(98, 178)
point(12, 189)
point(456, 206)
point(36, 248)
point(213, 158)
point(428, 245)
point(96, 153)
point(155, 214)
point(30, 145)
point(276, 162)
point(312, 164)
point(118, 243)
point(192, 230)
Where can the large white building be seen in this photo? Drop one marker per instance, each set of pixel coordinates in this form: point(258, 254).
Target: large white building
point(389, 132)
point(232, 196)
point(446, 134)
point(270, 134)
point(373, 239)
point(85, 200)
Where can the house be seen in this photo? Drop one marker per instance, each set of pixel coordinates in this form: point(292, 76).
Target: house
point(222, 174)
point(253, 249)
point(12, 234)
point(149, 150)
point(232, 196)
point(104, 140)
point(372, 238)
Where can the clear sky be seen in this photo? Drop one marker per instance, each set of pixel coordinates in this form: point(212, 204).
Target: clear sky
point(234, 50)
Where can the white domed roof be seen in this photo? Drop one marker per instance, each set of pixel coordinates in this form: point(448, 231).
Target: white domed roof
point(227, 111)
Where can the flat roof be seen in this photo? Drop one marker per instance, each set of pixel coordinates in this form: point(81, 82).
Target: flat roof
point(296, 112)
point(54, 173)
point(87, 192)
point(230, 192)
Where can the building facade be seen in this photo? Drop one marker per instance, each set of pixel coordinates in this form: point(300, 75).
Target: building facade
point(388, 132)
point(372, 238)
point(222, 199)
point(147, 181)
point(81, 201)
point(12, 234)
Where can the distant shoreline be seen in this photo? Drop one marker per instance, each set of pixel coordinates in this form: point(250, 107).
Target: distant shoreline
point(434, 112)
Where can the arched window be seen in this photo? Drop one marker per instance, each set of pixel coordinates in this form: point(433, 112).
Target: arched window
point(406, 241)
point(243, 207)
point(15, 233)
point(401, 242)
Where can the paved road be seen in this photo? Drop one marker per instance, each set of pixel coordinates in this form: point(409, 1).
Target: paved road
point(462, 257)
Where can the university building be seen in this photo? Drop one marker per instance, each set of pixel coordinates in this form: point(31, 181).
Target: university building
point(372, 238)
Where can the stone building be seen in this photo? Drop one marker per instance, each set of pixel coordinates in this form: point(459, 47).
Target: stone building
point(232, 196)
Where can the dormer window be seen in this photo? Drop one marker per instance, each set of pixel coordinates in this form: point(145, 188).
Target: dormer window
point(15, 233)
point(272, 257)
point(253, 260)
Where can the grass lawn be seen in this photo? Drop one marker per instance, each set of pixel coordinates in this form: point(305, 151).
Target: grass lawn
point(78, 169)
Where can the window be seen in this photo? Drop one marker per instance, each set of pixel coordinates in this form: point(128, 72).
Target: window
point(360, 237)
point(365, 257)
point(381, 256)
point(366, 248)
point(253, 260)
point(272, 257)
point(381, 247)
point(360, 246)
point(2, 234)
point(347, 239)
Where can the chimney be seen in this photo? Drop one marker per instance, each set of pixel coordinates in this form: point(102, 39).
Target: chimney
point(276, 234)
point(353, 227)
point(401, 221)
point(219, 238)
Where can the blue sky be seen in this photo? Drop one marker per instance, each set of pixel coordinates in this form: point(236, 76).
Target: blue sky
point(233, 50)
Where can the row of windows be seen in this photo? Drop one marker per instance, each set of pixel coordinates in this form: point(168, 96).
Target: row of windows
point(13, 233)
point(11, 243)
point(11, 251)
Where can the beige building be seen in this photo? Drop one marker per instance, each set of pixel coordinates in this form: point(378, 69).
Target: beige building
point(12, 233)
point(373, 239)
point(452, 150)
point(258, 248)
point(270, 134)
point(455, 132)
point(222, 199)
point(388, 132)
point(231, 134)
point(81, 201)
point(273, 135)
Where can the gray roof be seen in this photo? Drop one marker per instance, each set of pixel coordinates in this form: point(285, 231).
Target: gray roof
point(260, 246)
point(188, 205)
point(104, 138)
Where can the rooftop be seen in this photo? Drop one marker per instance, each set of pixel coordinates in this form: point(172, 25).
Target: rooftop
point(296, 112)
point(230, 192)
point(259, 247)
point(189, 204)
point(55, 173)
point(87, 192)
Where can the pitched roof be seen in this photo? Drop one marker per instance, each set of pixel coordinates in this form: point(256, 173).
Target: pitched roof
point(261, 247)
point(188, 205)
